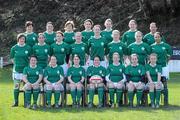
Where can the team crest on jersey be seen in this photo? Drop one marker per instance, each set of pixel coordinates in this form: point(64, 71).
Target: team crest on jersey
point(102, 44)
point(45, 50)
point(100, 71)
point(58, 72)
point(37, 72)
point(80, 72)
point(156, 70)
point(139, 71)
point(142, 48)
point(120, 48)
point(163, 48)
point(34, 38)
point(120, 70)
point(62, 49)
point(26, 52)
point(82, 48)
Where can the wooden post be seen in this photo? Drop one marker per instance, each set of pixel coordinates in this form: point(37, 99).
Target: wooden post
point(1, 62)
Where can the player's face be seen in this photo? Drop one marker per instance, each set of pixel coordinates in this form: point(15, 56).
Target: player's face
point(116, 36)
point(96, 30)
point(69, 27)
point(33, 61)
point(134, 60)
point(29, 28)
point(49, 27)
point(115, 59)
point(76, 61)
point(53, 61)
point(153, 28)
point(157, 38)
point(88, 25)
point(153, 59)
point(132, 25)
point(41, 39)
point(138, 37)
point(108, 25)
point(96, 61)
point(78, 37)
point(21, 40)
point(59, 37)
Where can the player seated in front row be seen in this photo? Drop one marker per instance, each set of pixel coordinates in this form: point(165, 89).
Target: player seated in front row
point(96, 75)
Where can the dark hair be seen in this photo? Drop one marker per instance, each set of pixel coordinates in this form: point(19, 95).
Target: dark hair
point(97, 57)
point(89, 20)
point(49, 23)
point(75, 55)
point(158, 34)
point(59, 32)
point(28, 23)
point(20, 35)
point(33, 56)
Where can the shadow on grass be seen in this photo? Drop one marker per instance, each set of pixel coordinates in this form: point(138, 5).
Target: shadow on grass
point(101, 110)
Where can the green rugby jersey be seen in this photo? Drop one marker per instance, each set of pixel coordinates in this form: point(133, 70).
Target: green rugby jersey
point(31, 38)
point(99, 70)
point(142, 50)
point(86, 36)
point(115, 72)
point(20, 55)
point(42, 52)
point(80, 50)
point(118, 47)
point(97, 47)
point(50, 38)
point(60, 51)
point(76, 73)
point(128, 37)
point(53, 74)
point(135, 72)
point(153, 71)
point(163, 51)
point(32, 73)
point(149, 39)
point(69, 37)
point(108, 35)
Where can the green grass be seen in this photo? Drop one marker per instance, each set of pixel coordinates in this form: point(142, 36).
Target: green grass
point(20, 113)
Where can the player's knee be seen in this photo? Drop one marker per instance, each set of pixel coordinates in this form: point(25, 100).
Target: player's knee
point(16, 86)
point(49, 87)
point(27, 87)
point(91, 86)
point(110, 85)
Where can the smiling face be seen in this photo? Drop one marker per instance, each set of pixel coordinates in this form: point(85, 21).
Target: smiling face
point(87, 25)
point(76, 60)
point(96, 30)
point(116, 35)
point(78, 37)
point(53, 61)
point(108, 24)
point(134, 59)
point(41, 38)
point(138, 36)
point(153, 59)
point(59, 37)
point(29, 28)
point(157, 37)
point(33, 61)
point(49, 27)
point(132, 25)
point(153, 27)
point(21, 40)
point(116, 58)
point(96, 61)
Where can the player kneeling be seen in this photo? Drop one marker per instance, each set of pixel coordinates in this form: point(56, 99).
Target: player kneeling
point(155, 85)
point(135, 76)
point(32, 76)
point(53, 77)
point(96, 75)
point(115, 79)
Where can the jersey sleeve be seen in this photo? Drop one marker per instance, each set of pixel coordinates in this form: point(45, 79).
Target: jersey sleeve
point(12, 52)
point(25, 71)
